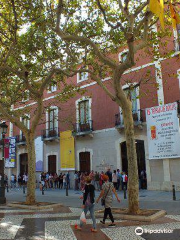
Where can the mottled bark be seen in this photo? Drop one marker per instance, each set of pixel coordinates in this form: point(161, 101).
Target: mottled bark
point(31, 185)
point(133, 182)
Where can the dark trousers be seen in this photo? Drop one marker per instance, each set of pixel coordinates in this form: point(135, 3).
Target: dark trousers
point(107, 212)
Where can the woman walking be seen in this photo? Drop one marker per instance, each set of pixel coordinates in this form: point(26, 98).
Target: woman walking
point(106, 193)
point(88, 203)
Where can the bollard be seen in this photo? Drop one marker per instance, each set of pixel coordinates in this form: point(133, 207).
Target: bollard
point(24, 189)
point(43, 190)
point(174, 192)
point(66, 190)
point(124, 192)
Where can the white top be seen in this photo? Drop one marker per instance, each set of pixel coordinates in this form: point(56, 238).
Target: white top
point(114, 177)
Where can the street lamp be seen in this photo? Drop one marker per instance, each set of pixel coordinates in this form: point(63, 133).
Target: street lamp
point(3, 131)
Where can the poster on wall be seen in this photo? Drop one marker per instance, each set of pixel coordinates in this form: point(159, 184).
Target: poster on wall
point(10, 158)
point(39, 154)
point(67, 151)
point(163, 131)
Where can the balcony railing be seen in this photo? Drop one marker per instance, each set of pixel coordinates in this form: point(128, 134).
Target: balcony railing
point(50, 134)
point(83, 128)
point(20, 139)
point(137, 117)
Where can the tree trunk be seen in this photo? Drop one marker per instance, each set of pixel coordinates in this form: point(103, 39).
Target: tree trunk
point(133, 180)
point(31, 184)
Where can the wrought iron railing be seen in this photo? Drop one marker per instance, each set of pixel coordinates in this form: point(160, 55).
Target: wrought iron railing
point(20, 138)
point(85, 127)
point(50, 133)
point(137, 117)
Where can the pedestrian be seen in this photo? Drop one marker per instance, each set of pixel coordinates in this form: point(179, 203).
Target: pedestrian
point(61, 181)
point(107, 194)
point(64, 181)
point(76, 181)
point(124, 181)
point(109, 174)
point(12, 181)
point(118, 179)
point(82, 181)
point(19, 180)
point(114, 179)
point(92, 175)
point(97, 179)
point(88, 203)
point(101, 180)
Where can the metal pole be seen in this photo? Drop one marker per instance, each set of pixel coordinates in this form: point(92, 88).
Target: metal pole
point(42, 189)
point(174, 192)
point(24, 189)
point(66, 188)
point(124, 188)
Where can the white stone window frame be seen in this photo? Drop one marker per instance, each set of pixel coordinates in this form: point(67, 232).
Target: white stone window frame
point(77, 107)
point(52, 88)
point(121, 54)
point(79, 80)
point(28, 123)
point(124, 87)
point(47, 117)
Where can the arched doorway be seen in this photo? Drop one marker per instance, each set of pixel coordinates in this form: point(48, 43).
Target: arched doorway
point(84, 162)
point(23, 159)
point(52, 163)
point(140, 156)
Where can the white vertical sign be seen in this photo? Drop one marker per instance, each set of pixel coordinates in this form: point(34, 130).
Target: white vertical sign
point(163, 131)
point(39, 154)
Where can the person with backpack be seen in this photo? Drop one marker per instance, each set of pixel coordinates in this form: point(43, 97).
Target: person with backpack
point(88, 203)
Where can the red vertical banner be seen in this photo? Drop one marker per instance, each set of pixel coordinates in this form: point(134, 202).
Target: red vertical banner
point(6, 148)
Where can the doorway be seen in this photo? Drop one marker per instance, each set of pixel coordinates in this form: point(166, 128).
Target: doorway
point(52, 164)
point(84, 161)
point(140, 157)
point(23, 163)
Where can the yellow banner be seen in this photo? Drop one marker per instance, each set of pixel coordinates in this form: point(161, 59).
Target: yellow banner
point(67, 152)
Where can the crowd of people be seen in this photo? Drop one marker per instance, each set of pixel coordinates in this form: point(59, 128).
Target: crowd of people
point(119, 179)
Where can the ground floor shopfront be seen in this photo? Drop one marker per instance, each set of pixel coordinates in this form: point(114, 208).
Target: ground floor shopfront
point(101, 150)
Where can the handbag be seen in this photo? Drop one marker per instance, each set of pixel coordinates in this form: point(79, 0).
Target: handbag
point(103, 199)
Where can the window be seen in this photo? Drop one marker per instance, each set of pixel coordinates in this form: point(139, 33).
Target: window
point(52, 118)
point(84, 111)
point(82, 76)
point(123, 56)
point(133, 94)
point(52, 87)
point(25, 121)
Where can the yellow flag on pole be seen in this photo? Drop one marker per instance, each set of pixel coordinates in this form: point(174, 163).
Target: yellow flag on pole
point(174, 16)
point(157, 7)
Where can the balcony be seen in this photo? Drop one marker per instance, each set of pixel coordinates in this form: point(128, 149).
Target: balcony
point(20, 139)
point(81, 129)
point(50, 134)
point(137, 117)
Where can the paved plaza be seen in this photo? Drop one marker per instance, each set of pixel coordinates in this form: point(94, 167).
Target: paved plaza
point(58, 223)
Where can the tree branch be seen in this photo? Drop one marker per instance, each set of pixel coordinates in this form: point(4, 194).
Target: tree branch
point(106, 20)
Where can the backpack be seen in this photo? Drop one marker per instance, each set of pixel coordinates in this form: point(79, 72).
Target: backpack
point(126, 178)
